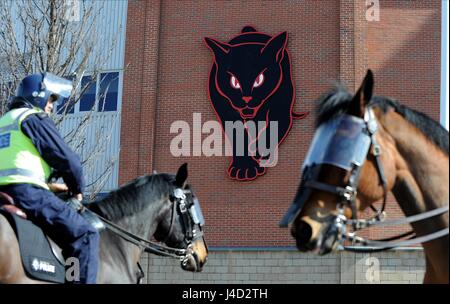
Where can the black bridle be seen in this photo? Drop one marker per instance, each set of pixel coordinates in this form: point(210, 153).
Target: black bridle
point(192, 229)
point(347, 194)
point(192, 224)
point(347, 198)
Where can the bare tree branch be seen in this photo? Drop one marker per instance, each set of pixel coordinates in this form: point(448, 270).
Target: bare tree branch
point(36, 36)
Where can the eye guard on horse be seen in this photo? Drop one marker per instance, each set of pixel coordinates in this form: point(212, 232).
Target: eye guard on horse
point(191, 215)
point(192, 221)
point(347, 140)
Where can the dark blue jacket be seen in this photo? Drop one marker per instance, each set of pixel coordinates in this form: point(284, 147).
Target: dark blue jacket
point(42, 131)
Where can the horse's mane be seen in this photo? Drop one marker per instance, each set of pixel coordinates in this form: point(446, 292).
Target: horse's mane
point(337, 101)
point(134, 196)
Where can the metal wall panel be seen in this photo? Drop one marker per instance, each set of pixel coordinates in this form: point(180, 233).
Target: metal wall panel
point(110, 26)
point(101, 136)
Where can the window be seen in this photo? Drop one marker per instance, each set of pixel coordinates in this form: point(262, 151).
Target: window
point(66, 105)
point(109, 89)
point(87, 101)
point(101, 94)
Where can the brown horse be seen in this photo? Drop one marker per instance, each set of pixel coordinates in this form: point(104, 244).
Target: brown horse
point(158, 205)
point(363, 148)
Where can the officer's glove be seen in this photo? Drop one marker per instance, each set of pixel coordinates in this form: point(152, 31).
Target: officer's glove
point(58, 188)
point(75, 204)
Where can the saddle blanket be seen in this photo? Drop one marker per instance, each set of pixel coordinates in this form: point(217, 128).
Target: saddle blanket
point(38, 259)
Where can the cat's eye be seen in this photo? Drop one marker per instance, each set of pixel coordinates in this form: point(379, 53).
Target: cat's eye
point(259, 80)
point(234, 82)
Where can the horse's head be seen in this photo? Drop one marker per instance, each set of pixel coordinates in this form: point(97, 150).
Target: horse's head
point(181, 221)
point(343, 172)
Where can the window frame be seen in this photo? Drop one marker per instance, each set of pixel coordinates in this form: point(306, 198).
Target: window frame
point(76, 108)
point(99, 83)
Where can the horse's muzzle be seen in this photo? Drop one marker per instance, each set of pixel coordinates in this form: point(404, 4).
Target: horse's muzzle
point(192, 263)
point(302, 232)
point(325, 241)
point(329, 236)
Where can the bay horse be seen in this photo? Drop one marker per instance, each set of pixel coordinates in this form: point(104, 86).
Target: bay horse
point(150, 205)
point(365, 146)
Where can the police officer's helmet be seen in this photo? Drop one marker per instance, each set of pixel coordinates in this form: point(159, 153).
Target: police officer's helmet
point(37, 88)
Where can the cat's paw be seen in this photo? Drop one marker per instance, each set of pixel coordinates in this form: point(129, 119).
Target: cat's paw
point(245, 168)
point(258, 157)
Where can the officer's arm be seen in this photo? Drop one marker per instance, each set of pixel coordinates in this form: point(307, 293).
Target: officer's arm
point(51, 146)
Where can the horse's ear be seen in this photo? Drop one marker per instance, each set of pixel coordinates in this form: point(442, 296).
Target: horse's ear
point(362, 96)
point(181, 176)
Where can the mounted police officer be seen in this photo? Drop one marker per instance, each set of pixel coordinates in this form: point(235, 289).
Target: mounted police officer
point(30, 147)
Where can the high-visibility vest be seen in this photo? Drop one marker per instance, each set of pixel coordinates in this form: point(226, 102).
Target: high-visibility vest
point(20, 161)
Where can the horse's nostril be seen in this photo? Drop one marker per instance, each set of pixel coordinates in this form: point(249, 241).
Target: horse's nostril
point(303, 233)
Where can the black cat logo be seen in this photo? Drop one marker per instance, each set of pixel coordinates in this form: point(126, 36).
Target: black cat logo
point(250, 81)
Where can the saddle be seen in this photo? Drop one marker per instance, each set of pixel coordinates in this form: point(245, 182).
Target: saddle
point(41, 257)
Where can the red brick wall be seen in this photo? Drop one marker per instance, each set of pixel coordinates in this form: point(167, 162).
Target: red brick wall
point(404, 53)
point(167, 78)
point(140, 89)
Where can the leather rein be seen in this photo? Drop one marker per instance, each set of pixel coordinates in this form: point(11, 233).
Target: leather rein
point(347, 197)
point(178, 199)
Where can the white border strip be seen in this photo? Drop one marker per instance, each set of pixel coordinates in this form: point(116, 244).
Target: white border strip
point(444, 64)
